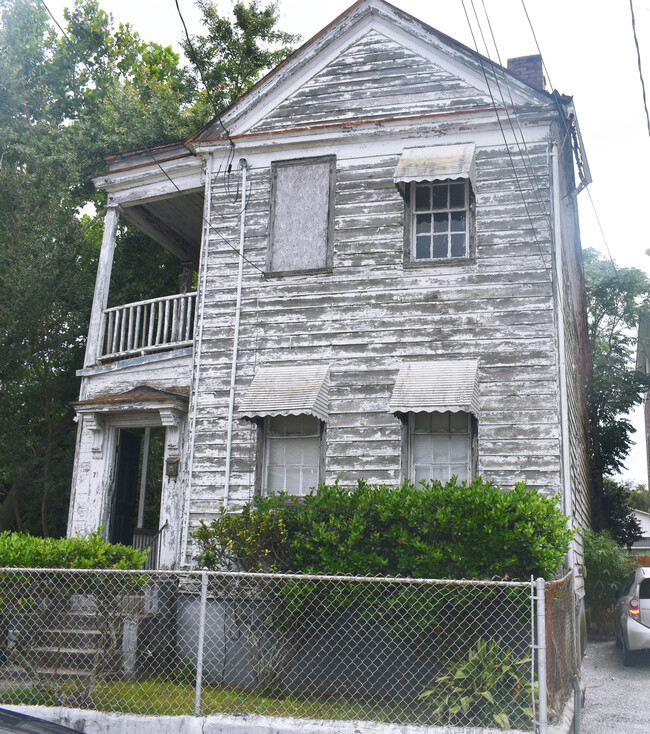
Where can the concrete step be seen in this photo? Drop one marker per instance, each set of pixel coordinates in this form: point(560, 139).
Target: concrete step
point(70, 638)
point(71, 658)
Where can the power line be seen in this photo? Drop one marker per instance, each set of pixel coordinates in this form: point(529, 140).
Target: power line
point(505, 141)
point(143, 146)
point(638, 57)
point(195, 59)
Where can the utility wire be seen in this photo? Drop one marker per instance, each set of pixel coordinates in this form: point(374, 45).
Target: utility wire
point(195, 59)
point(505, 141)
point(638, 57)
point(528, 163)
point(143, 146)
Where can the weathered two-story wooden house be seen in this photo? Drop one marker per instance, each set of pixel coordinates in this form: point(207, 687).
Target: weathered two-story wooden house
point(385, 238)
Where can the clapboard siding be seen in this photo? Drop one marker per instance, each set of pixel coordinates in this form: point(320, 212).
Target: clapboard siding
point(375, 77)
point(369, 314)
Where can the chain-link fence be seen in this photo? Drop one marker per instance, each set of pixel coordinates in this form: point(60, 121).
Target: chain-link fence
point(561, 656)
point(318, 647)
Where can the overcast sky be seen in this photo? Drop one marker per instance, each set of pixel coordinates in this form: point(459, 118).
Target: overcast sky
point(589, 53)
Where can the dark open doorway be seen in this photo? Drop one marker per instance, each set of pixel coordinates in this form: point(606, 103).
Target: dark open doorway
point(135, 511)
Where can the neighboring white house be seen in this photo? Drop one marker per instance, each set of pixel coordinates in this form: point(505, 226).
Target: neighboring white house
point(385, 236)
point(642, 547)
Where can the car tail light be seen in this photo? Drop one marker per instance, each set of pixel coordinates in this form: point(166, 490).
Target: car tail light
point(633, 609)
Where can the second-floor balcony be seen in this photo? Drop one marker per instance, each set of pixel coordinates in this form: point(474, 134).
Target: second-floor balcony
point(144, 327)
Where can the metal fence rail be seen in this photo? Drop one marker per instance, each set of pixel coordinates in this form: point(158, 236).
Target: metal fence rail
point(390, 650)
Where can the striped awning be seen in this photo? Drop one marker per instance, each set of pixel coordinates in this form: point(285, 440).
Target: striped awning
point(435, 387)
point(294, 390)
point(437, 163)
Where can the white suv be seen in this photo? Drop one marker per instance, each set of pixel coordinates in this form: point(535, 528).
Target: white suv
point(633, 615)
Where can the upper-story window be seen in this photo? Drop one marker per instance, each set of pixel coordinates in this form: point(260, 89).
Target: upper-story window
point(440, 211)
point(302, 209)
point(437, 183)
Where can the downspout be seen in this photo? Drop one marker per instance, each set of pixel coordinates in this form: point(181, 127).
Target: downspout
point(564, 416)
point(243, 164)
point(564, 404)
point(198, 330)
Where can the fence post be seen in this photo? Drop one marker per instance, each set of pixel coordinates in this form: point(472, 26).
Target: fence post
point(199, 650)
point(540, 588)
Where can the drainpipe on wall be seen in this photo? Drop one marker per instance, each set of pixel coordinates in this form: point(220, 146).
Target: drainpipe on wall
point(198, 330)
point(243, 164)
point(564, 406)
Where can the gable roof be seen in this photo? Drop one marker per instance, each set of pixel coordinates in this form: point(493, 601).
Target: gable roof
point(391, 40)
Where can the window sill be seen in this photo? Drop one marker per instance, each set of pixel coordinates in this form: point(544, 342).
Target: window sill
point(438, 262)
point(272, 274)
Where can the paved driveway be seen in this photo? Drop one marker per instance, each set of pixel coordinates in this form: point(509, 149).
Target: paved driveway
point(617, 697)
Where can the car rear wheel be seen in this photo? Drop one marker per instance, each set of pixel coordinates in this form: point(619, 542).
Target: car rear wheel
point(630, 657)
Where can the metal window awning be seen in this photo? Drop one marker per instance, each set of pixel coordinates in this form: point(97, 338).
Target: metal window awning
point(437, 163)
point(435, 387)
point(294, 390)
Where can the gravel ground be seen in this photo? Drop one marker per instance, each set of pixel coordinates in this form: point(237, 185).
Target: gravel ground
point(616, 699)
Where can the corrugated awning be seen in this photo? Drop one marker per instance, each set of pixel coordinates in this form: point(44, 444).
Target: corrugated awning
point(295, 390)
point(437, 163)
point(435, 387)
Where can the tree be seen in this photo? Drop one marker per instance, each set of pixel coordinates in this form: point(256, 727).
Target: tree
point(229, 58)
point(639, 498)
point(615, 297)
point(67, 101)
point(619, 516)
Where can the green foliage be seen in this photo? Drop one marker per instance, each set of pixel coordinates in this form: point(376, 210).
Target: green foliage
point(428, 531)
point(615, 298)
point(481, 689)
point(20, 550)
point(619, 517)
point(638, 498)
point(607, 567)
point(233, 53)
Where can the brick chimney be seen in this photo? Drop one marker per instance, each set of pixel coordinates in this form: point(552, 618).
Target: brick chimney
point(529, 68)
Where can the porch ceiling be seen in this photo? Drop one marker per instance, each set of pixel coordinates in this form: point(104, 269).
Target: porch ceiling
point(174, 222)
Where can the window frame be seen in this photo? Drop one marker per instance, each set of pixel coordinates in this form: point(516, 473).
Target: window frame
point(329, 245)
point(408, 466)
point(263, 438)
point(410, 214)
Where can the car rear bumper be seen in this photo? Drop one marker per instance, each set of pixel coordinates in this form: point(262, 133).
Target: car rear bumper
point(637, 635)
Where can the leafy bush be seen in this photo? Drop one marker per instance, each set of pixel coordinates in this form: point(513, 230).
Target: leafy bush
point(607, 567)
point(455, 530)
point(20, 550)
point(482, 689)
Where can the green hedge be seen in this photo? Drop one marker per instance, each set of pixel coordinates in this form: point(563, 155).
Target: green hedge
point(431, 530)
point(20, 550)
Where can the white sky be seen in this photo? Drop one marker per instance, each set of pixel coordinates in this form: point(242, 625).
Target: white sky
point(588, 50)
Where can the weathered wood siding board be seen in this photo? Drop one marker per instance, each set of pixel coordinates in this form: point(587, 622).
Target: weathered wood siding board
point(376, 77)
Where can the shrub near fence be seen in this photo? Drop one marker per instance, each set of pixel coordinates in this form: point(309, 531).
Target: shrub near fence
point(377, 649)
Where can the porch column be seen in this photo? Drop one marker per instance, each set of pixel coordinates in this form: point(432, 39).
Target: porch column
point(102, 284)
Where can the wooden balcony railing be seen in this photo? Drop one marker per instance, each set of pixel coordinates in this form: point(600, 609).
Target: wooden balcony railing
point(148, 326)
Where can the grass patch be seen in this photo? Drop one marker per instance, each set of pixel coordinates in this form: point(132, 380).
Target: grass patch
point(165, 698)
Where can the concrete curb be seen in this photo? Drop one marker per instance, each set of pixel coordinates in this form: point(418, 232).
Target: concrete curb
point(98, 722)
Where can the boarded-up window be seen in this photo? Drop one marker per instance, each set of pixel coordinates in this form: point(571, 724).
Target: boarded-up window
point(301, 215)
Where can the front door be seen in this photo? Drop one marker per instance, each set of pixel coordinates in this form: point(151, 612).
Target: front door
point(126, 487)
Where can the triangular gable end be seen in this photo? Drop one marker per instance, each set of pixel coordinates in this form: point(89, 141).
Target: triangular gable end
point(355, 67)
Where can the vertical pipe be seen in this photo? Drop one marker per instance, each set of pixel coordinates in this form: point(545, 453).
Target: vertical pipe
point(143, 475)
point(235, 347)
point(199, 649)
point(564, 404)
point(102, 285)
point(199, 315)
point(541, 655)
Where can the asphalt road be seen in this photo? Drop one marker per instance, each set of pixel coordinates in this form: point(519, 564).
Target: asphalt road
point(616, 698)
